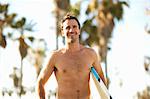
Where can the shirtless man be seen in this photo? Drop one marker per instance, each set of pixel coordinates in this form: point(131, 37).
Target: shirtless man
point(71, 65)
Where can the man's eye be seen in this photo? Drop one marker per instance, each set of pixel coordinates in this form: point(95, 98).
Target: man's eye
point(67, 28)
point(74, 26)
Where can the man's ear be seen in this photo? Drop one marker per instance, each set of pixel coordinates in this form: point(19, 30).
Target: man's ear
point(62, 33)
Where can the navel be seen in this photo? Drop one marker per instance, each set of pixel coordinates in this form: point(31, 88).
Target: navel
point(64, 71)
point(78, 94)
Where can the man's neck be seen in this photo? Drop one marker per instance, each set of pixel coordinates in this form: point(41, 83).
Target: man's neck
point(73, 47)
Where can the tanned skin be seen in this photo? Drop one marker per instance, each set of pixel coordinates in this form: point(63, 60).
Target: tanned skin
point(71, 66)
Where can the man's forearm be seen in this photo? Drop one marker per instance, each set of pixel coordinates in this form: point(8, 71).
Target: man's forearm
point(41, 91)
point(103, 79)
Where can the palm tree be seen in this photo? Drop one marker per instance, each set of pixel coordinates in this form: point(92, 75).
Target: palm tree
point(37, 54)
point(8, 20)
point(104, 13)
point(5, 22)
point(62, 7)
point(145, 94)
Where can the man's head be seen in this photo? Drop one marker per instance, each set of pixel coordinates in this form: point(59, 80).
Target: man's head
point(69, 17)
point(70, 28)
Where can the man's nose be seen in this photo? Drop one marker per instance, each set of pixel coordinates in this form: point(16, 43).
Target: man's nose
point(71, 29)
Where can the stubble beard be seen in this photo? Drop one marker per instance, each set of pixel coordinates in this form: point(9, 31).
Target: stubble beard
point(72, 40)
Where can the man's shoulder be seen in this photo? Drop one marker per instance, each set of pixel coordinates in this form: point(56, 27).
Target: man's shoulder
point(91, 52)
point(89, 49)
point(54, 54)
point(57, 52)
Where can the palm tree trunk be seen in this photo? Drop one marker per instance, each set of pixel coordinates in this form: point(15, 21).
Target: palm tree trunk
point(21, 77)
point(57, 28)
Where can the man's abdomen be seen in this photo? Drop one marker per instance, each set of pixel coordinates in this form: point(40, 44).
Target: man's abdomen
point(73, 92)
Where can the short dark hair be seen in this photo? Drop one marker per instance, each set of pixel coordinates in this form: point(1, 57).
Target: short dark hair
point(68, 16)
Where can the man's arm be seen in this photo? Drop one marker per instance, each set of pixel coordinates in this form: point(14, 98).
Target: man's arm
point(98, 68)
point(44, 76)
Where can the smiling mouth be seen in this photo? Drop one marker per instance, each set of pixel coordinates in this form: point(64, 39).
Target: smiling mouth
point(71, 34)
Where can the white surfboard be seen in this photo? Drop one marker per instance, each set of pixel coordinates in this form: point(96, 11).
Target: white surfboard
point(102, 90)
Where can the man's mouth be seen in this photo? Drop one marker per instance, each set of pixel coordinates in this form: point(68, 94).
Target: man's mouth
point(71, 34)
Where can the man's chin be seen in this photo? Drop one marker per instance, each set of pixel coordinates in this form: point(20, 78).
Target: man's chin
point(71, 41)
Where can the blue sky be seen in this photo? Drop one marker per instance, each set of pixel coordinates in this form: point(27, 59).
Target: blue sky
point(129, 45)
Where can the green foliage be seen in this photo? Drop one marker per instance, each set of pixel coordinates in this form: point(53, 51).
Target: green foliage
point(91, 30)
point(118, 13)
point(75, 9)
point(8, 20)
point(92, 7)
point(86, 26)
point(22, 47)
point(63, 5)
point(103, 14)
point(19, 24)
point(3, 41)
point(145, 94)
point(147, 63)
point(3, 8)
point(15, 77)
point(31, 39)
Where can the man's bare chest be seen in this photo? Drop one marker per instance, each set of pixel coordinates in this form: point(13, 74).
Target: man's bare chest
point(74, 63)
